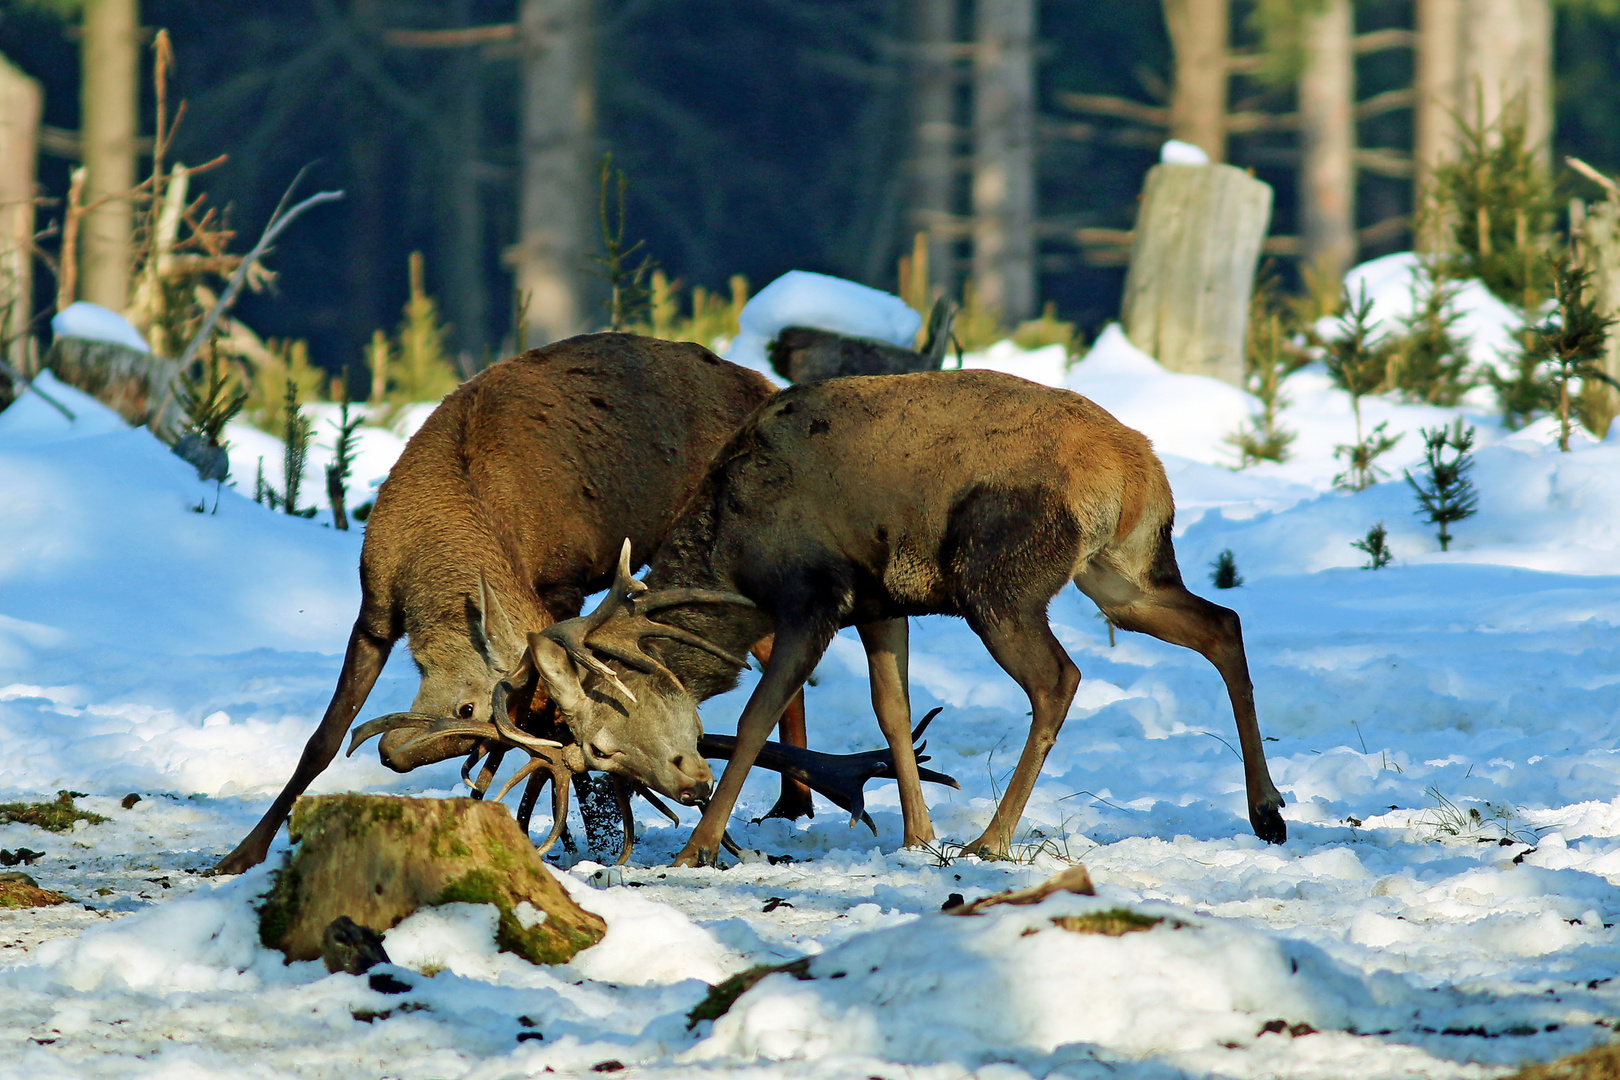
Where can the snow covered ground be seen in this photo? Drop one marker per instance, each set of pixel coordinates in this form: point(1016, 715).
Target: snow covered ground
point(1444, 730)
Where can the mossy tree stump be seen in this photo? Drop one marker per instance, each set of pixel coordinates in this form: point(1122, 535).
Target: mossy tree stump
point(377, 859)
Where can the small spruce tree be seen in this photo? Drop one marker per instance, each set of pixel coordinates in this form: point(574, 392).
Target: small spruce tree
point(422, 370)
point(628, 295)
point(209, 399)
point(1223, 572)
point(337, 473)
point(295, 454)
point(1358, 365)
point(1376, 546)
point(1446, 495)
point(1269, 356)
point(1429, 361)
point(1569, 346)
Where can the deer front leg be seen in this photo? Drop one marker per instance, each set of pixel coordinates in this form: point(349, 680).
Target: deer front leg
point(794, 802)
point(887, 654)
point(792, 661)
point(362, 663)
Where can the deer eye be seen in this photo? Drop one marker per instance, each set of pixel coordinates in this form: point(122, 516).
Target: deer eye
point(598, 752)
point(466, 710)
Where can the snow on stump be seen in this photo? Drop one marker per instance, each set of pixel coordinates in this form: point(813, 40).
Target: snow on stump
point(1193, 257)
point(376, 859)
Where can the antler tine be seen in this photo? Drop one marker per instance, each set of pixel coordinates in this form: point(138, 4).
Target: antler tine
point(686, 637)
point(559, 810)
point(486, 775)
point(372, 728)
point(665, 598)
point(533, 744)
point(571, 635)
point(621, 795)
point(532, 766)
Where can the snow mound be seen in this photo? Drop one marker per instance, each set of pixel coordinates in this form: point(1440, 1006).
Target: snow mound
point(972, 989)
point(803, 298)
point(92, 322)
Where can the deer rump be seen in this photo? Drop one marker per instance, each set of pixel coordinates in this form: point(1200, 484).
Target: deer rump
point(505, 510)
point(861, 501)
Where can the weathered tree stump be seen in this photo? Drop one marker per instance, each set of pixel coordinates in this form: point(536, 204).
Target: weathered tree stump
point(377, 859)
point(1197, 242)
point(133, 383)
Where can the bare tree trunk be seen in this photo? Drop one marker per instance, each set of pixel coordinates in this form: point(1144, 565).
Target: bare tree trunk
point(933, 132)
point(1197, 241)
point(1004, 158)
point(109, 95)
point(20, 103)
point(1507, 61)
point(1327, 182)
point(1199, 32)
point(466, 295)
point(556, 210)
point(1474, 58)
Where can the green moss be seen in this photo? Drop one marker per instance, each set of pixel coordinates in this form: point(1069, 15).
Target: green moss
point(1114, 922)
point(20, 894)
point(58, 816)
point(550, 941)
point(718, 1001)
point(279, 908)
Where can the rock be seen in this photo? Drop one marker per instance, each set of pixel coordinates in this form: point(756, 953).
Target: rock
point(802, 354)
point(348, 946)
point(376, 859)
point(20, 890)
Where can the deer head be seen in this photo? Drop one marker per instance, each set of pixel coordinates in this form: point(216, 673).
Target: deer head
point(638, 721)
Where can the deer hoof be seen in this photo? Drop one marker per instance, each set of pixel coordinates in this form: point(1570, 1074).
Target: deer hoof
point(694, 854)
point(1268, 823)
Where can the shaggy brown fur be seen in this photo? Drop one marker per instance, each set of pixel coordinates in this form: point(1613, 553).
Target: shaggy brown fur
point(862, 501)
point(525, 481)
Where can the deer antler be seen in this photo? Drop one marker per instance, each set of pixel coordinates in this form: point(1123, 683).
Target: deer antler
point(620, 623)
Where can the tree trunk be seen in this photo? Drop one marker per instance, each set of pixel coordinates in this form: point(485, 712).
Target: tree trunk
point(132, 383)
point(377, 859)
point(557, 208)
point(1199, 31)
point(1197, 242)
point(1327, 183)
point(1004, 158)
point(1599, 236)
point(20, 103)
point(462, 219)
point(109, 95)
point(933, 133)
point(1476, 57)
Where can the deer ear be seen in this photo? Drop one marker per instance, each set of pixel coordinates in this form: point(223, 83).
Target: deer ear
point(492, 632)
point(557, 671)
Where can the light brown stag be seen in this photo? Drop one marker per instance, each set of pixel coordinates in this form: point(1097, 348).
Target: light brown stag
point(862, 501)
point(504, 511)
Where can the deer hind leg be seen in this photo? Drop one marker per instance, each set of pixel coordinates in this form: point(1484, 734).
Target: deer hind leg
point(1167, 611)
point(1026, 649)
point(887, 658)
point(794, 802)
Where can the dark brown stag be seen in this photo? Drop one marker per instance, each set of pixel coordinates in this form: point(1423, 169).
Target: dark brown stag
point(505, 510)
point(866, 500)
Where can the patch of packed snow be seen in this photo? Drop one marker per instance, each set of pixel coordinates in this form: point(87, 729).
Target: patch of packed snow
point(1444, 731)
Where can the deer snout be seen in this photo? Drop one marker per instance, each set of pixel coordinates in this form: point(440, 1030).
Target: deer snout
point(694, 777)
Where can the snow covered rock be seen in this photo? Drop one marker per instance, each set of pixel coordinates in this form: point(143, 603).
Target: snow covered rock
point(92, 322)
point(803, 298)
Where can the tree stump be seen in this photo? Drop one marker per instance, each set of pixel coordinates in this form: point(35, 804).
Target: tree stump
point(1197, 242)
point(133, 383)
point(377, 859)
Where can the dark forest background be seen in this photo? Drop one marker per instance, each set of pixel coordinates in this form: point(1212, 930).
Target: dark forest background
point(758, 137)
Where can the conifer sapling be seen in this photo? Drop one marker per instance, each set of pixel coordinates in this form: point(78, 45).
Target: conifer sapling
point(337, 473)
point(1358, 365)
point(629, 298)
point(1376, 545)
point(1570, 344)
point(1223, 571)
point(1447, 494)
point(296, 453)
